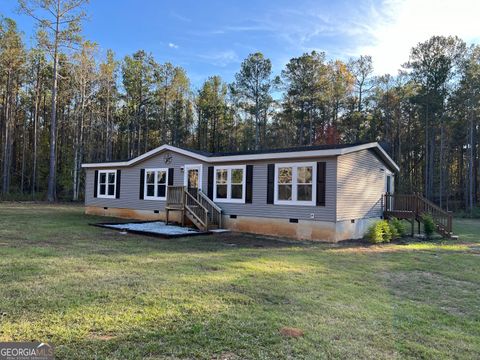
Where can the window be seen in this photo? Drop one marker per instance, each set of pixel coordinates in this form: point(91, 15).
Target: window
point(156, 184)
point(230, 183)
point(107, 183)
point(285, 182)
point(222, 183)
point(294, 184)
point(236, 181)
point(304, 183)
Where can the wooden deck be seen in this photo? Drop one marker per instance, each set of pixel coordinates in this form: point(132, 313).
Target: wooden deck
point(412, 207)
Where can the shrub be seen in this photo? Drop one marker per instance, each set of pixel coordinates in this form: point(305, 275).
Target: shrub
point(393, 231)
point(398, 228)
point(428, 225)
point(379, 232)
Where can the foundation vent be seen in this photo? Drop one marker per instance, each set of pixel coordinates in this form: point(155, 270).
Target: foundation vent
point(156, 211)
point(105, 208)
point(233, 216)
point(295, 221)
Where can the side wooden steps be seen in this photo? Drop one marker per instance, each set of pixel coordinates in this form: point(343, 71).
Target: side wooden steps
point(413, 206)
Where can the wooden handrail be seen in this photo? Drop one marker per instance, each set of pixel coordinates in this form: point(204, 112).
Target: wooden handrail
point(175, 195)
point(197, 212)
point(433, 205)
point(197, 205)
point(415, 205)
point(214, 211)
point(207, 199)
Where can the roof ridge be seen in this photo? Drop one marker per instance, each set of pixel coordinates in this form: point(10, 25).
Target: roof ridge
point(276, 150)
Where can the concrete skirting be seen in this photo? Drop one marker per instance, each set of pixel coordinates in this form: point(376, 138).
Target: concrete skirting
point(145, 215)
point(346, 229)
point(303, 230)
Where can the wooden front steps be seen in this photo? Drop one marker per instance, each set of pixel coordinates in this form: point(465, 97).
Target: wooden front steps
point(196, 207)
point(413, 206)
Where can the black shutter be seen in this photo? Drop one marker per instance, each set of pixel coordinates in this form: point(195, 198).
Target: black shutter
point(170, 176)
point(249, 191)
point(270, 183)
point(210, 183)
point(95, 185)
point(142, 183)
point(119, 181)
point(321, 180)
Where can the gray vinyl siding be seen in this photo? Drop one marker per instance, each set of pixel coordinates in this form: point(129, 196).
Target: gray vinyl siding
point(360, 185)
point(130, 183)
point(259, 206)
point(130, 187)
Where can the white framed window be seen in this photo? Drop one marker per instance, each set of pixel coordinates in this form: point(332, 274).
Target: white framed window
point(107, 184)
point(295, 184)
point(229, 183)
point(156, 181)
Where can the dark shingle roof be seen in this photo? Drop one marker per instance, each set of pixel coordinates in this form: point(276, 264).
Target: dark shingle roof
point(273, 151)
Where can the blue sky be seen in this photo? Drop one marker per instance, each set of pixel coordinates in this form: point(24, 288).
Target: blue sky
point(213, 37)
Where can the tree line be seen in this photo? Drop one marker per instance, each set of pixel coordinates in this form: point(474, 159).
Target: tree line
point(63, 104)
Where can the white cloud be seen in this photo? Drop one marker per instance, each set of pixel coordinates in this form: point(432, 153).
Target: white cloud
point(384, 29)
point(172, 45)
point(221, 58)
point(398, 25)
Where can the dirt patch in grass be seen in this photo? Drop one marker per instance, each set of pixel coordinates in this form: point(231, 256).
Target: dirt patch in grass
point(226, 356)
point(291, 332)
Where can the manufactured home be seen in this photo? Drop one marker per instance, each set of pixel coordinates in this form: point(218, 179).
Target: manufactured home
point(325, 192)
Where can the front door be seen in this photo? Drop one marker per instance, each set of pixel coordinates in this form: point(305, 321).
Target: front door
point(193, 178)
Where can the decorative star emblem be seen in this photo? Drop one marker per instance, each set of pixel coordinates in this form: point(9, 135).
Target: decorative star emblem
point(168, 159)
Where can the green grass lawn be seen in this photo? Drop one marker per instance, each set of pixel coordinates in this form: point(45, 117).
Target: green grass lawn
point(95, 293)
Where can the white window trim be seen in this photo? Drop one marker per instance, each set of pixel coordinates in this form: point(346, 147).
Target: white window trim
point(106, 196)
point(229, 169)
point(187, 167)
point(294, 200)
point(156, 170)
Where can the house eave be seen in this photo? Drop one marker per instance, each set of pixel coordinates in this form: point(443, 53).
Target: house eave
point(251, 157)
